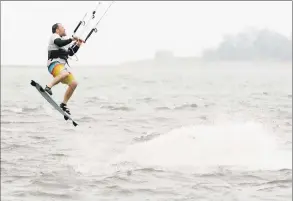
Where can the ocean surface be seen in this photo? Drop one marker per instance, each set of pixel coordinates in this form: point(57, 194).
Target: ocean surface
point(214, 132)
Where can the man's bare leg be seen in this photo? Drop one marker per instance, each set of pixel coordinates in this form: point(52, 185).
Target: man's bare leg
point(67, 96)
point(69, 91)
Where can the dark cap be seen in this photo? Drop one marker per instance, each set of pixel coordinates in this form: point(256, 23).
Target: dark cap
point(54, 27)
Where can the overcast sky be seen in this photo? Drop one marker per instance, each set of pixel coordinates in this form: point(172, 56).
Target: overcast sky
point(134, 30)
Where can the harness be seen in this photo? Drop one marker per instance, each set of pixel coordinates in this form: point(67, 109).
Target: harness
point(60, 53)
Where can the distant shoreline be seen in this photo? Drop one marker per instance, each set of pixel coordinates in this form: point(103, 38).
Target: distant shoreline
point(256, 46)
point(172, 62)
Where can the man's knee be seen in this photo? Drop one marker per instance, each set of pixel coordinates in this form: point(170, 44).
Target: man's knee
point(73, 84)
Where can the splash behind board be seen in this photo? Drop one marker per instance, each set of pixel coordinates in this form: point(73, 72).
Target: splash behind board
point(51, 101)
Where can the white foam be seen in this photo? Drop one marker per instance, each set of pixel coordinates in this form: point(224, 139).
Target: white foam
point(88, 153)
point(240, 145)
point(12, 109)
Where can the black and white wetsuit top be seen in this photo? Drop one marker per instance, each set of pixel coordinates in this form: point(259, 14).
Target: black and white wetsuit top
point(59, 49)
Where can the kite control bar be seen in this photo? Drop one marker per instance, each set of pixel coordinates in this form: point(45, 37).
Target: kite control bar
point(95, 28)
point(82, 22)
point(86, 23)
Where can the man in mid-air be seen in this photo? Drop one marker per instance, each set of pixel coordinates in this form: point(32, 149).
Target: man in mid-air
point(58, 53)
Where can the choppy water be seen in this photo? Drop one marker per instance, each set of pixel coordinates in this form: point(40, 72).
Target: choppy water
point(159, 134)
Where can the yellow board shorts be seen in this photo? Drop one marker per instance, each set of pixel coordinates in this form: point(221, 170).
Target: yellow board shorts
point(55, 68)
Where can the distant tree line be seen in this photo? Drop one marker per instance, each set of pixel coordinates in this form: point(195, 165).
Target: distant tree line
point(252, 45)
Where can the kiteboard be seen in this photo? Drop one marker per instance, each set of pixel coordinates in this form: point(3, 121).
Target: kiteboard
point(42, 91)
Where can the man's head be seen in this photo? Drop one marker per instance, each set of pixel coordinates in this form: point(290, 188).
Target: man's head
point(58, 29)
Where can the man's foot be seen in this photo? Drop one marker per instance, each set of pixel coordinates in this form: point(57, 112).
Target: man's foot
point(65, 108)
point(48, 90)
